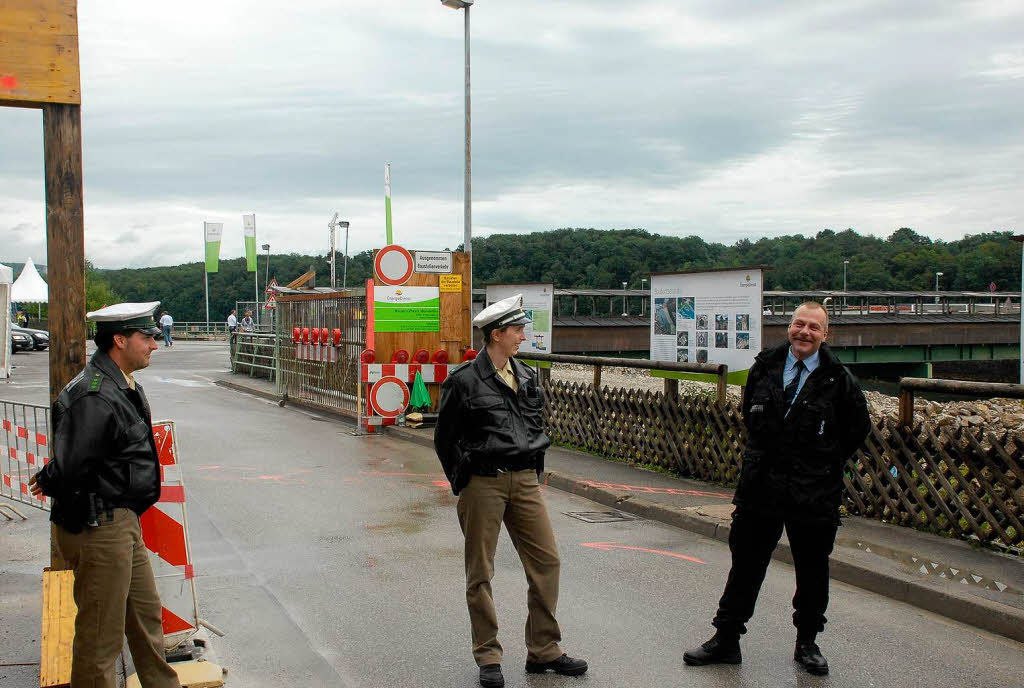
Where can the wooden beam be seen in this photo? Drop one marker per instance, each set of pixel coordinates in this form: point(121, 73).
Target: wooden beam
point(39, 53)
point(65, 242)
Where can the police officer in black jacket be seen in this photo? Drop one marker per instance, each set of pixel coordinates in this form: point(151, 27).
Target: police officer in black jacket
point(490, 440)
point(103, 475)
point(805, 415)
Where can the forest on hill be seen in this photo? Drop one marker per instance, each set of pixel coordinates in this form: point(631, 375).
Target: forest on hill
point(590, 258)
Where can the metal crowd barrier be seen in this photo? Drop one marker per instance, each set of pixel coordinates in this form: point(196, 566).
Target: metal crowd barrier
point(25, 447)
point(199, 330)
point(255, 353)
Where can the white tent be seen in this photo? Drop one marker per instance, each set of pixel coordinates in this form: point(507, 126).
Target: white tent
point(29, 287)
point(6, 277)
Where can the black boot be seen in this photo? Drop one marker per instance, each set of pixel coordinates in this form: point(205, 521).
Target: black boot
point(490, 676)
point(721, 649)
point(564, 665)
point(809, 655)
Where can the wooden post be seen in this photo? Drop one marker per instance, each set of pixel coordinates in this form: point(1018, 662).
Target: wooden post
point(597, 377)
point(671, 387)
point(906, 407)
point(65, 242)
point(723, 387)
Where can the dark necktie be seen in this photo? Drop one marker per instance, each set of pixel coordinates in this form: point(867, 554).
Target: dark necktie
point(790, 391)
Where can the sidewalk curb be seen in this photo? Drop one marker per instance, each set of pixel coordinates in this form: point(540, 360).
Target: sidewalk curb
point(936, 598)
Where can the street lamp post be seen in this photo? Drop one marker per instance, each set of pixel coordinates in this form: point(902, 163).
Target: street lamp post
point(266, 247)
point(467, 227)
point(937, 276)
point(845, 263)
point(643, 300)
point(344, 270)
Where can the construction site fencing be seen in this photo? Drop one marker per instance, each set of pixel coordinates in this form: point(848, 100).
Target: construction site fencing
point(25, 444)
point(254, 354)
point(966, 482)
point(330, 385)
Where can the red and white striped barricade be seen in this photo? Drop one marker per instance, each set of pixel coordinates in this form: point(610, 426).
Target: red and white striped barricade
point(165, 532)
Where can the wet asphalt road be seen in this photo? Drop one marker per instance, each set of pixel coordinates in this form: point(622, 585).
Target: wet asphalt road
point(334, 560)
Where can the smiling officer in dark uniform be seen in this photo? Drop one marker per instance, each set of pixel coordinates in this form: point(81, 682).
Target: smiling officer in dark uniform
point(805, 415)
point(490, 439)
point(103, 475)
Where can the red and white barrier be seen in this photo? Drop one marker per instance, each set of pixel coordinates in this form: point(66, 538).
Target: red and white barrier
point(165, 532)
point(435, 373)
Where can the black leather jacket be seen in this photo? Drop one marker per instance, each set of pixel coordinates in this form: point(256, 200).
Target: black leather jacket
point(481, 421)
point(797, 460)
point(102, 444)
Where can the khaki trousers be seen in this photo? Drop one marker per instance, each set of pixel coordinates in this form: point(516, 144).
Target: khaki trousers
point(515, 499)
point(116, 596)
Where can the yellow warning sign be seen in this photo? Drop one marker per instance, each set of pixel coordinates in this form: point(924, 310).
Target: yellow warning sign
point(451, 283)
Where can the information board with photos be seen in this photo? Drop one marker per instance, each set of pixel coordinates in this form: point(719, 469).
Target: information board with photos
point(538, 302)
point(707, 317)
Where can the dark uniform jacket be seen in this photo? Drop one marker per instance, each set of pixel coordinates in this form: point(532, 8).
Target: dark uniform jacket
point(482, 423)
point(102, 444)
point(797, 460)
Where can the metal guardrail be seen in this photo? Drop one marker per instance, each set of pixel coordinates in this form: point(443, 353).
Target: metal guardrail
point(720, 371)
point(909, 385)
point(24, 449)
point(199, 330)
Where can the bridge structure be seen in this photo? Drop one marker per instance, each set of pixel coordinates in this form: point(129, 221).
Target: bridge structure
point(900, 332)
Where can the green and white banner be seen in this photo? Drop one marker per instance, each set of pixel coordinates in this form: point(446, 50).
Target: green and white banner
point(406, 309)
point(213, 231)
point(249, 231)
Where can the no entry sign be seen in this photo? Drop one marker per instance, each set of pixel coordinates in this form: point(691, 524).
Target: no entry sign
point(389, 396)
point(393, 265)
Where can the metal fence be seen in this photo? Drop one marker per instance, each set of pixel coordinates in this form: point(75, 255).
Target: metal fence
point(25, 444)
point(329, 385)
point(254, 354)
point(199, 330)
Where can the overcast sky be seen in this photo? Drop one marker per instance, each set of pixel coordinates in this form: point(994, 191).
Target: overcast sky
point(721, 118)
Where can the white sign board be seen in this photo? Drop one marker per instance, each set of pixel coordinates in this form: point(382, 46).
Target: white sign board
point(438, 262)
point(707, 317)
point(538, 302)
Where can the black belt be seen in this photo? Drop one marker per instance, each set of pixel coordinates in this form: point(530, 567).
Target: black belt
point(491, 468)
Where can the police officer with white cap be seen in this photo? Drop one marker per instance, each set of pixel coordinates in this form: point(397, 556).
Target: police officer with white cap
point(103, 475)
point(491, 442)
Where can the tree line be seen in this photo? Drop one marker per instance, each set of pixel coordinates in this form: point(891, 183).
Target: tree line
point(604, 259)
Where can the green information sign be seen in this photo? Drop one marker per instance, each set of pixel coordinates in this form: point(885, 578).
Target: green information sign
point(406, 309)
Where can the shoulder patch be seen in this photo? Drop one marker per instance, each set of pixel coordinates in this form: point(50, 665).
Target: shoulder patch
point(95, 382)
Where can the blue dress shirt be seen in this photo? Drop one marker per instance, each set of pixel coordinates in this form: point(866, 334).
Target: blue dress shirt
point(811, 362)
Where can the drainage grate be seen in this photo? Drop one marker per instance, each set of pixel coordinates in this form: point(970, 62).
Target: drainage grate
point(600, 516)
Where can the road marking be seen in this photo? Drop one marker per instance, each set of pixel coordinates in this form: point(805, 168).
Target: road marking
point(655, 490)
point(609, 546)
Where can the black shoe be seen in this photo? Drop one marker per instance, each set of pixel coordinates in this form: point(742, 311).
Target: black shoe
point(490, 676)
point(718, 650)
point(809, 655)
point(564, 665)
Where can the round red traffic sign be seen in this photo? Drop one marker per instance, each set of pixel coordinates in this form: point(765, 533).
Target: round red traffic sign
point(393, 265)
point(389, 396)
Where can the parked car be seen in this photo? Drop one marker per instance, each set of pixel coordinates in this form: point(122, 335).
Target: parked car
point(20, 341)
point(40, 338)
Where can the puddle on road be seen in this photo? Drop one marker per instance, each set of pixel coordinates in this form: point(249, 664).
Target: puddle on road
point(926, 567)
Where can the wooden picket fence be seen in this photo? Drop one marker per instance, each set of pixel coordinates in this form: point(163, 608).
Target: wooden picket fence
point(963, 482)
